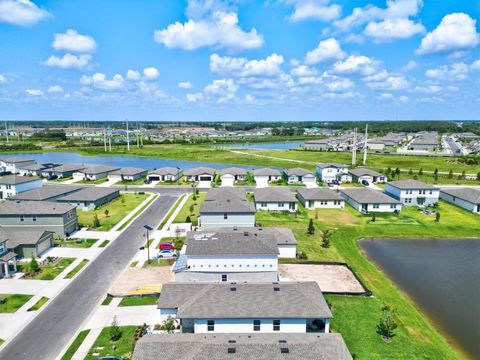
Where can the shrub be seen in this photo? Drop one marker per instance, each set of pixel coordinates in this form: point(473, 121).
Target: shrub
point(34, 267)
point(387, 324)
point(437, 217)
point(326, 234)
point(114, 331)
point(96, 220)
point(311, 228)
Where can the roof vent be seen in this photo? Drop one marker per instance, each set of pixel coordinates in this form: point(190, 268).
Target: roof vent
point(276, 289)
point(231, 350)
point(235, 228)
point(232, 341)
point(284, 350)
point(245, 233)
point(233, 289)
point(282, 341)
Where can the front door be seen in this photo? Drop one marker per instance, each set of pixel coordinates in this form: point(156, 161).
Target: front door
point(478, 208)
point(364, 207)
point(1, 194)
point(292, 206)
point(420, 200)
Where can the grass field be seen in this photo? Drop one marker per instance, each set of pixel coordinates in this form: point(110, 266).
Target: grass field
point(14, 302)
point(49, 272)
point(172, 210)
point(356, 317)
point(39, 304)
point(118, 209)
point(93, 182)
point(185, 211)
point(138, 300)
point(72, 349)
point(76, 243)
point(108, 299)
point(76, 269)
point(103, 346)
point(140, 181)
point(126, 223)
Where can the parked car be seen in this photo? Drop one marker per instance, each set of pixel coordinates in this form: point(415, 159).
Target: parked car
point(167, 254)
point(167, 245)
point(365, 182)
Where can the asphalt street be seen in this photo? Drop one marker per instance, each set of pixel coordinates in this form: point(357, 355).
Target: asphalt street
point(48, 333)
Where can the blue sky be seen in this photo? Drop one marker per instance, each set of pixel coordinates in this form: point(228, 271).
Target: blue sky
point(243, 60)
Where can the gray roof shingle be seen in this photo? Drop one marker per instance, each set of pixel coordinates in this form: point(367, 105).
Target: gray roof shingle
point(319, 194)
point(361, 171)
point(266, 172)
point(368, 196)
point(167, 170)
point(22, 237)
point(34, 208)
point(65, 168)
point(272, 194)
point(45, 192)
point(224, 200)
point(99, 169)
point(89, 194)
point(16, 179)
point(467, 194)
point(15, 159)
point(128, 171)
point(297, 172)
point(233, 171)
point(196, 171)
point(282, 235)
point(410, 184)
point(335, 165)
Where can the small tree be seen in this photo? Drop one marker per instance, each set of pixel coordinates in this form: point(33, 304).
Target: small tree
point(169, 325)
point(115, 332)
point(387, 324)
point(478, 176)
point(450, 174)
point(420, 172)
point(197, 192)
point(435, 178)
point(96, 220)
point(326, 234)
point(34, 267)
point(106, 212)
point(316, 215)
point(397, 172)
point(187, 219)
point(122, 200)
point(435, 172)
point(374, 217)
point(437, 216)
point(192, 208)
point(410, 172)
point(311, 228)
point(463, 175)
point(194, 197)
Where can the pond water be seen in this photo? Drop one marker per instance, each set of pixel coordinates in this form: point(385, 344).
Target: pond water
point(442, 277)
point(117, 160)
point(284, 145)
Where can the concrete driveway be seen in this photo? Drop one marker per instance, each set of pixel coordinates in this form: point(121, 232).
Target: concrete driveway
point(204, 184)
point(109, 183)
point(262, 182)
point(227, 182)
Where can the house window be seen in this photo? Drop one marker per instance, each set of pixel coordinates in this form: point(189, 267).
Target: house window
point(22, 218)
point(376, 206)
point(263, 204)
point(256, 325)
point(393, 206)
point(225, 216)
point(281, 204)
point(34, 218)
point(276, 325)
point(210, 325)
point(311, 203)
point(224, 277)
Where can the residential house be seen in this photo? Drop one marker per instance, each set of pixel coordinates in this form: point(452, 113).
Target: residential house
point(34, 169)
point(285, 307)
point(300, 176)
point(94, 172)
point(90, 198)
point(11, 164)
point(318, 198)
point(242, 347)
point(275, 199)
point(333, 172)
point(266, 175)
point(232, 175)
point(216, 256)
point(46, 193)
point(127, 174)
point(226, 207)
point(6, 256)
point(38, 215)
point(28, 243)
point(413, 192)
point(61, 171)
point(369, 200)
point(12, 185)
point(200, 174)
point(362, 174)
point(467, 198)
point(165, 174)
point(425, 142)
point(319, 145)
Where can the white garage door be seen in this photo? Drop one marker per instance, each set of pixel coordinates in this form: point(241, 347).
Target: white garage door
point(228, 180)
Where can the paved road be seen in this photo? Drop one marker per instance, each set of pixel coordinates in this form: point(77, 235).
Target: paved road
point(47, 335)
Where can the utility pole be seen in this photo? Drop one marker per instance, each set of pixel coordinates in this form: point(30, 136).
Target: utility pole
point(138, 141)
point(110, 139)
point(354, 148)
point(105, 139)
point(128, 138)
point(365, 146)
point(141, 139)
point(6, 131)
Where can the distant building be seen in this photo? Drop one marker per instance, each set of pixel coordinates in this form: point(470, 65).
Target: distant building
point(94, 172)
point(127, 174)
point(318, 198)
point(165, 174)
point(232, 175)
point(34, 169)
point(12, 164)
point(266, 175)
point(61, 171)
point(300, 176)
point(319, 145)
point(12, 185)
point(332, 172)
point(368, 200)
point(200, 174)
point(467, 198)
point(275, 199)
point(363, 174)
point(413, 192)
point(425, 142)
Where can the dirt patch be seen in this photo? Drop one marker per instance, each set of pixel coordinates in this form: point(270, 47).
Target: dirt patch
point(141, 281)
point(330, 278)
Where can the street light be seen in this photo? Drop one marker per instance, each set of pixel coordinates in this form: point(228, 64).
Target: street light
point(148, 228)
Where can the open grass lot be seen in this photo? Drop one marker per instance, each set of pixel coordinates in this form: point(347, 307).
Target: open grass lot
point(185, 211)
point(117, 208)
point(170, 213)
point(76, 243)
point(72, 349)
point(49, 272)
point(103, 345)
point(76, 269)
point(140, 181)
point(356, 318)
point(126, 223)
point(14, 302)
point(39, 304)
point(138, 300)
point(93, 182)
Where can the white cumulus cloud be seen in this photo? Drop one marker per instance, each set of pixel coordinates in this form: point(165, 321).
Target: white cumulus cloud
point(72, 41)
point(391, 29)
point(151, 73)
point(326, 51)
point(454, 72)
point(99, 81)
point(55, 89)
point(303, 70)
point(34, 92)
point(242, 67)
point(456, 32)
point(222, 89)
point(185, 85)
point(194, 97)
point(390, 83)
point(69, 61)
point(133, 75)
point(3, 79)
point(356, 64)
point(316, 10)
point(21, 12)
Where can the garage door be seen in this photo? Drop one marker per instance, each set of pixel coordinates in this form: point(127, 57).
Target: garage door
point(153, 178)
point(43, 246)
point(228, 180)
point(205, 178)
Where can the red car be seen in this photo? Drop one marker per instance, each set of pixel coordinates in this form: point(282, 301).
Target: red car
point(167, 246)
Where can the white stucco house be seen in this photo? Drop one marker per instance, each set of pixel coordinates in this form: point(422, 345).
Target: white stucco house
point(12, 185)
point(286, 307)
point(370, 176)
point(318, 198)
point(368, 200)
point(466, 198)
point(413, 192)
point(300, 176)
point(93, 173)
point(200, 174)
point(332, 172)
point(226, 207)
point(127, 174)
point(232, 175)
point(12, 164)
point(165, 174)
point(275, 199)
point(265, 176)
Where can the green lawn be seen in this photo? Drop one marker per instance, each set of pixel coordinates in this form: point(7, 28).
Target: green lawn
point(137, 213)
point(76, 269)
point(138, 300)
point(185, 211)
point(72, 349)
point(48, 272)
point(356, 317)
point(133, 263)
point(63, 179)
point(174, 207)
point(39, 304)
point(75, 243)
point(178, 241)
point(93, 182)
point(104, 243)
point(140, 181)
point(14, 302)
point(108, 299)
point(159, 262)
point(103, 346)
point(118, 209)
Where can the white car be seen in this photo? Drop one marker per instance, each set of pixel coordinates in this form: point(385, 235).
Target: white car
point(167, 254)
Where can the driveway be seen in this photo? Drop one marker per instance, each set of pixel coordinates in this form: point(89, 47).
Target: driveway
point(262, 182)
point(52, 329)
point(310, 185)
point(204, 184)
point(108, 183)
point(227, 182)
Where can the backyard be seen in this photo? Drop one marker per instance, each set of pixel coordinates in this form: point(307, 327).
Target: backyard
point(356, 317)
point(185, 211)
point(117, 210)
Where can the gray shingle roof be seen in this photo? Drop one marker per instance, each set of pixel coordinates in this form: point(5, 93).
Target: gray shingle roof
point(16, 179)
point(225, 193)
point(467, 194)
point(14, 159)
point(90, 194)
point(34, 208)
point(282, 235)
point(99, 169)
point(45, 192)
point(200, 171)
point(319, 194)
point(213, 243)
point(297, 172)
point(128, 171)
point(233, 171)
point(22, 237)
point(66, 168)
point(33, 167)
point(335, 165)
point(266, 172)
point(167, 170)
point(272, 194)
point(368, 196)
point(410, 184)
point(227, 206)
point(361, 171)
point(249, 300)
point(318, 346)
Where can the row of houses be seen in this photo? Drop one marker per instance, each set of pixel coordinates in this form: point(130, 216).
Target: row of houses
point(427, 141)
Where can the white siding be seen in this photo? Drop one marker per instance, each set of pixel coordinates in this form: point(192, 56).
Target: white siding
point(329, 174)
point(459, 202)
point(322, 204)
point(236, 326)
point(409, 197)
point(218, 220)
point(12, 190)
point(287, 251)
point(275, 206)
point(372, 207)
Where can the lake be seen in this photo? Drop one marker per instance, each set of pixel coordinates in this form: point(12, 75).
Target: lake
point(284, 145)
point(117, 160)
point(442, 277)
